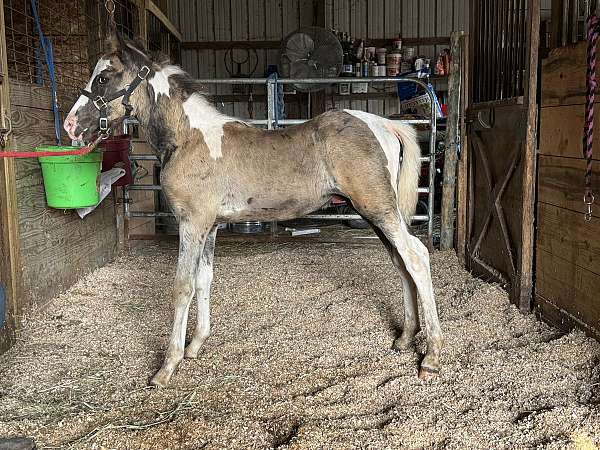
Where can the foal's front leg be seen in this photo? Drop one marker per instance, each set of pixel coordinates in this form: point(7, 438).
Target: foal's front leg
point(192, 235)
point(204, 278)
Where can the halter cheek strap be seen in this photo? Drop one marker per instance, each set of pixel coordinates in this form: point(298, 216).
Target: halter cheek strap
point(101, 103)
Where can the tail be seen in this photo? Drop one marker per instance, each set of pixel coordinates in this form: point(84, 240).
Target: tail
point(409, 171)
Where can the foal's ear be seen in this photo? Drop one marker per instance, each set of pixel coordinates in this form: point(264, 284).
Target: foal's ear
point(134, 52)
point(114, 42)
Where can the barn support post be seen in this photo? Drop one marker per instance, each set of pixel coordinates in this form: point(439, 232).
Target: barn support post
point(463, 163)
point(525, 277)
point(10, 274)
point(452, 142)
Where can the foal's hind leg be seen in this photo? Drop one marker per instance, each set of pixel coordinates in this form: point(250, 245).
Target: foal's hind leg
point(192, 235)
point(415, 256)
point(409, 290)
point(411, 316)
point(204, 278)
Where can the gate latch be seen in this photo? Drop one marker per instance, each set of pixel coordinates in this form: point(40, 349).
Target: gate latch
point(5, 131)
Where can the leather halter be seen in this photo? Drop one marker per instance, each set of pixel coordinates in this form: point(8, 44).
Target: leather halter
point(101, 103)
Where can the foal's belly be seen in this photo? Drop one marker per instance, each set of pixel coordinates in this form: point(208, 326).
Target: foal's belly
point(268, 208)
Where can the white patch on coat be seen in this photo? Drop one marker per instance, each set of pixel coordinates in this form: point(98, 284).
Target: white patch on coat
point(160, 80)
point(208, 120)
point(387, 140)
point(102, 64)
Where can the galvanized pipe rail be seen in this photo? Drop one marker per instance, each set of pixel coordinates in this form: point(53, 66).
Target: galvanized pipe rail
point(273, 122)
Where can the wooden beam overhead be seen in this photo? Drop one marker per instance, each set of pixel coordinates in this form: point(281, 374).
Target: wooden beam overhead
point(156, 11)
point(273, 44)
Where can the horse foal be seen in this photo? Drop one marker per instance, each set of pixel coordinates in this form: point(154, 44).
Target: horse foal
point(218, 169)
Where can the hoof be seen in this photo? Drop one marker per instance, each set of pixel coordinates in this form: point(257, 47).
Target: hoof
point(403, 343)
point(428, 373)
point(193, 348)
point(191, 353)
point(161, 379)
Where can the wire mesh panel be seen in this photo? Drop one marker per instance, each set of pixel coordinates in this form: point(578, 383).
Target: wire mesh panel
point(75, 30)
point(161, 40)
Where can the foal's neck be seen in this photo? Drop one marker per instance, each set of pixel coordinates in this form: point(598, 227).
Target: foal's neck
point(172, 106)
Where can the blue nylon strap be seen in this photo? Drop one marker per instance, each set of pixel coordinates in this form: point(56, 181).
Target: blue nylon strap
point(49, 56)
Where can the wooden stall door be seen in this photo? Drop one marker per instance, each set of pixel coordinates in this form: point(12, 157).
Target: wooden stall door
point(501, 138)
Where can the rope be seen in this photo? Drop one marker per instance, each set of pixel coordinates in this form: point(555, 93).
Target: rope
point(80, 151)
point(49, 56)
point(593, 31)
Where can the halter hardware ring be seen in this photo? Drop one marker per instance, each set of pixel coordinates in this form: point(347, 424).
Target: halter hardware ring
point(100, 103)
point(143, 72)
point(103, 124)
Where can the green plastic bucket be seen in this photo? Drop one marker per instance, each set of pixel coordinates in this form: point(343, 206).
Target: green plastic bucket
point(70, 181)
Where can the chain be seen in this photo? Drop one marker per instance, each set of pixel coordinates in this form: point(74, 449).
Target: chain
point(110, 7)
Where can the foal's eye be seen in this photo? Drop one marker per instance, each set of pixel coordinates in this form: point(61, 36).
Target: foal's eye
point(102, 80)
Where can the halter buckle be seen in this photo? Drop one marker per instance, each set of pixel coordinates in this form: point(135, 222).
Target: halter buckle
point(103, 124)
point(100, 103)
point(143, 72)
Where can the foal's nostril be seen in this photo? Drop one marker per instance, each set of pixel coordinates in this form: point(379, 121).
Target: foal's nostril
point(70, 124)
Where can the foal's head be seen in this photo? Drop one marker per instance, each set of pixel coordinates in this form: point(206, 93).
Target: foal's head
point(115, 70)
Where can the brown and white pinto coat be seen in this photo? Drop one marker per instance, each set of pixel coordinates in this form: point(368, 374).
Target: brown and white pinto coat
point(218, 169)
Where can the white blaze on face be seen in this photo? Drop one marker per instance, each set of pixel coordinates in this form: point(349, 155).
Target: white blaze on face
point(82, 100)
point(160, 80)
point(387, 140)
point(209, 121)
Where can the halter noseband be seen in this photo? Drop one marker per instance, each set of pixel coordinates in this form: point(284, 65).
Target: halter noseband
point(101, 103)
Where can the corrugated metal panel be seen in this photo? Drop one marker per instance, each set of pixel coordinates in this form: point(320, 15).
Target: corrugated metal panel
point(222, 20)
point(290, 16)
point(306, 12)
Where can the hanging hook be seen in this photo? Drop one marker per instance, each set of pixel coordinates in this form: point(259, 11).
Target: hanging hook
point(110, 6)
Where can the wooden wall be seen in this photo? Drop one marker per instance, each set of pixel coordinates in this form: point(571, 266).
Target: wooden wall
point(568, 249)
point(260, 20)
point(57, 247)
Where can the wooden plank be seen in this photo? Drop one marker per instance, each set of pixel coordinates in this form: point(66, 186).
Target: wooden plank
point(563, 76)
point(557, 317)
point(56, 247)
point(561, 131)
point(10, 262)
point(560, 183)
point(569, 288)
point(34, 96)
point(577, 243)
